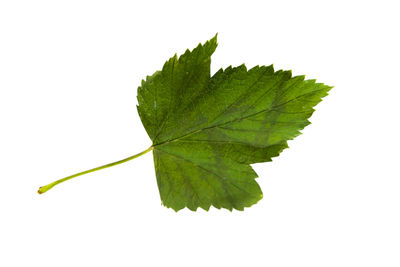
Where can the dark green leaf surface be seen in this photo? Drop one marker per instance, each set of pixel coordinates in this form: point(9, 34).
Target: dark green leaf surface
point(206, 131)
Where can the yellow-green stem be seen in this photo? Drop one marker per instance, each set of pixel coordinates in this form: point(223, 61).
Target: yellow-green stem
point(46, 188)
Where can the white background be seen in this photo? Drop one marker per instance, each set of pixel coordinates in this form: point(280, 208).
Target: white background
point(68, 77)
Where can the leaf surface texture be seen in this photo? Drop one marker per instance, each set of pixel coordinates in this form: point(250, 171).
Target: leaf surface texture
point(206, 131)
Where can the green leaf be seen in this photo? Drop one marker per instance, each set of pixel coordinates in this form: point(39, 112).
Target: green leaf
point(206, 131)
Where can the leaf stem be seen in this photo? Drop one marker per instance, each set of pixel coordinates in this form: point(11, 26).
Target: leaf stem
point(46, 188)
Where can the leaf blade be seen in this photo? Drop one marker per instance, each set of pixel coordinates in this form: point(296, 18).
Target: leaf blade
point(205, 142)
